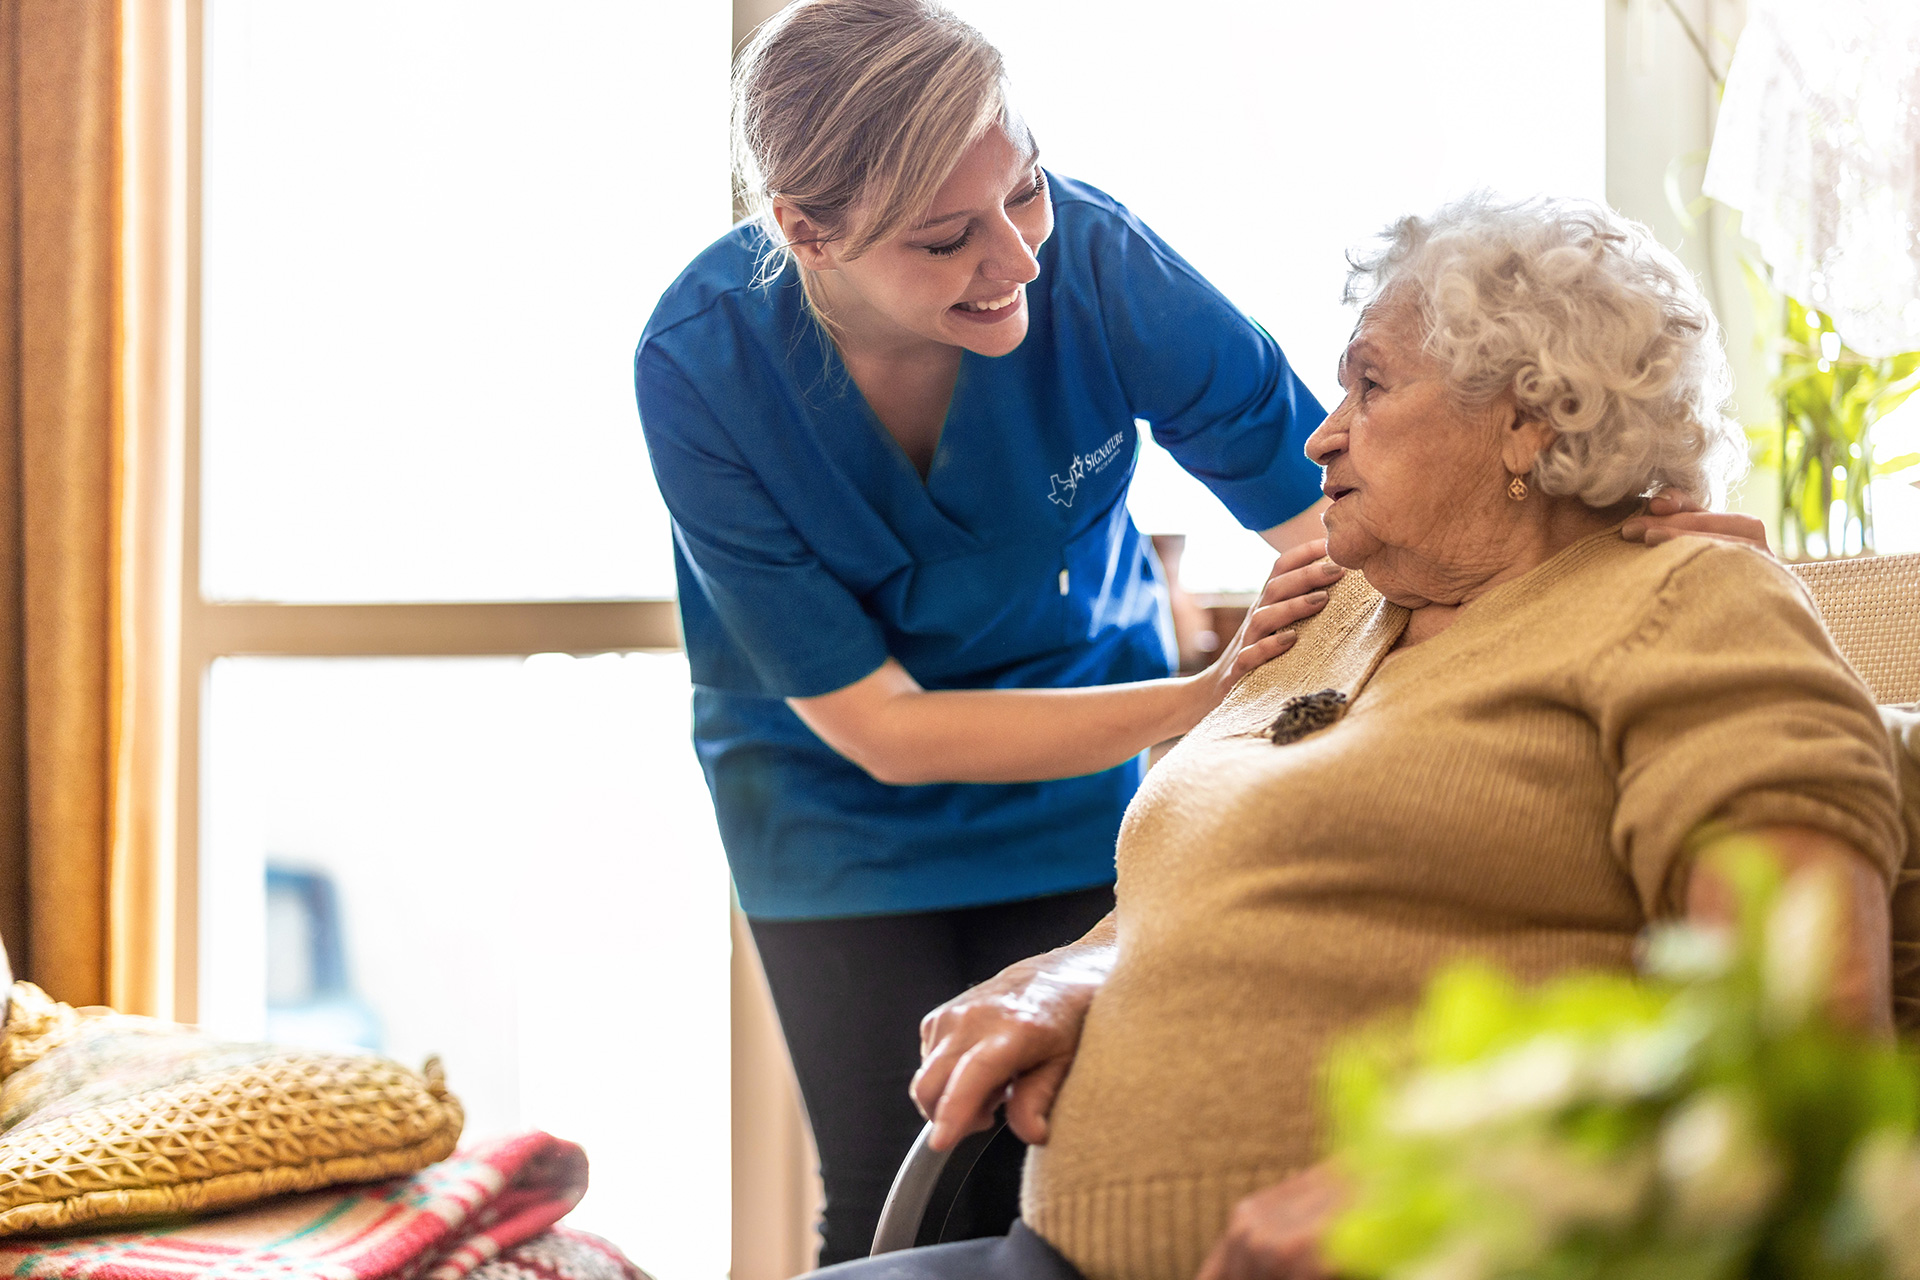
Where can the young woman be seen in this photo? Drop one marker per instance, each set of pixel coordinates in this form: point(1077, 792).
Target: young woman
point(894, 416)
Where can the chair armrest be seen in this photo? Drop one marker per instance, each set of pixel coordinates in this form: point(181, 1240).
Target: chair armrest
point(907, 1200)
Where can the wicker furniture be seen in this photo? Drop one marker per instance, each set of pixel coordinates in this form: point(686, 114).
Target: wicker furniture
point(1872, 607)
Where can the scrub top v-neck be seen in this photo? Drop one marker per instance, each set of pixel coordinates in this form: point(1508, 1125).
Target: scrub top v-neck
point(809, 548)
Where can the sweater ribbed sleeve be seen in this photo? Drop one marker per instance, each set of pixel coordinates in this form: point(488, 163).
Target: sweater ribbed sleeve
point(1726, 706)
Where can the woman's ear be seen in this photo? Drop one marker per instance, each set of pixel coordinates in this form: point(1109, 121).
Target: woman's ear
point(806, 239)
point(1523, 440)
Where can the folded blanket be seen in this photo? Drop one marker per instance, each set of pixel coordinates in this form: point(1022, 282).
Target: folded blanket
point(483, 1214)
point(560, 1254)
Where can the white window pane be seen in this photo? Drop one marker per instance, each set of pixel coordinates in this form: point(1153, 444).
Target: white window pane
point(1219, 555)
point(1896, 497)
point(1263, 138)
point(433, 230)
point(526, 881)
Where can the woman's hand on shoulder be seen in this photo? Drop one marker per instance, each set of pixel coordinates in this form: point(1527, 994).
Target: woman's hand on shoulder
point(1295, 589)
point(1274, 1234)
point(1011, 1039)
point(1672, 514)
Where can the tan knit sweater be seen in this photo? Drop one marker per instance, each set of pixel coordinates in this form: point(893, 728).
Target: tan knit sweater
point(1521, 788)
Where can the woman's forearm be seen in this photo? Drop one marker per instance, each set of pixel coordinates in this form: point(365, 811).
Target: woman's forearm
point(903, 734)
point(1862, 982)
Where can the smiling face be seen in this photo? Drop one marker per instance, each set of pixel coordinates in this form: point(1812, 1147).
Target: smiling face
point(956, 277)
point(1417, 480)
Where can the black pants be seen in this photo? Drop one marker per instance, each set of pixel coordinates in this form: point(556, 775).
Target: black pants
point(851, 993)
point(1019, 1255)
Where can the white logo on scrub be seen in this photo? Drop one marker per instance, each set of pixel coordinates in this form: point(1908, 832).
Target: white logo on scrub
point(1067, 487)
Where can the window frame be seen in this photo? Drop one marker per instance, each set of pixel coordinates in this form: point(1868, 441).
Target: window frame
point(171, 636)
point(213, 629)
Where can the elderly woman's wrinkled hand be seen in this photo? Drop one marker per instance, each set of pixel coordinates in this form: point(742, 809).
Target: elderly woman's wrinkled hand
point(1274, 1234)
point(1010, 1039)
point(1672, 514)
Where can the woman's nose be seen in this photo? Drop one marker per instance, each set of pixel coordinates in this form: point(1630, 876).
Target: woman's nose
point(1010, 258)
point(1329, 438)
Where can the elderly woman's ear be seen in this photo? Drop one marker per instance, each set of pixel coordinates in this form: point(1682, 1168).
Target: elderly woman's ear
point(1671, 513)
point(1522, 441)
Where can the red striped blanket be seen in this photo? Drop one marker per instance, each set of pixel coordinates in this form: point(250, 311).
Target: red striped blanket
point(486, 1213)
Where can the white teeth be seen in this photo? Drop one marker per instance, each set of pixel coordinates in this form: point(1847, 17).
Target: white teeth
point(991, 304)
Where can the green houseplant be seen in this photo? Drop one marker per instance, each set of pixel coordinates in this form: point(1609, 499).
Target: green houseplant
point(1828, 399)
point(1707, 1122)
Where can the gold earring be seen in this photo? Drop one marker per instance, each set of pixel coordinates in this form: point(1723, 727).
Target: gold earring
point(1518, 489)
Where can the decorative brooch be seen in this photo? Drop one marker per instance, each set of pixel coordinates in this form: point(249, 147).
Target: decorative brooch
point(1307, 713)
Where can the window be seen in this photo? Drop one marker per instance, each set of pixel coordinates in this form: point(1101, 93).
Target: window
point(429, 236)
point(1896, 498)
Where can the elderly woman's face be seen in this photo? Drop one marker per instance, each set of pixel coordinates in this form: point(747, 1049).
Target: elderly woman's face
point(1412, 474)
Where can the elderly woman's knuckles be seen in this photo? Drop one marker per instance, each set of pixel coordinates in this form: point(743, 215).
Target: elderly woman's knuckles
point(1026, 1030)
point(1003, 1028)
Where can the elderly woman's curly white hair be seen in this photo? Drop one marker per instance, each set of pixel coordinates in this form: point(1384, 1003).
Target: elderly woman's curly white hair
point(1592, 325)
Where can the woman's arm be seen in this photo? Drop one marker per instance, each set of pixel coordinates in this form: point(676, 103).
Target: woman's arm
point(1010, 1039)
point(1303, 528)
point(1862, 993)
point(903, 734)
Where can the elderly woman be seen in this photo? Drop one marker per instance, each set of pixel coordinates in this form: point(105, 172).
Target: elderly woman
point(1505, 742)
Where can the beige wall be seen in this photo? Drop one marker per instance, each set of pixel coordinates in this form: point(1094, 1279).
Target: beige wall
point(776, 1194)
point(748, 14)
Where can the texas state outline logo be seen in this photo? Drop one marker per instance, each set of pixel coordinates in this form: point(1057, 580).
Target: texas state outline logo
point(1066, 488)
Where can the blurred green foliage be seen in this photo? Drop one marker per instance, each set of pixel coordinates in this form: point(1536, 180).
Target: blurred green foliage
point(1828, 398)
point(1706, 1122)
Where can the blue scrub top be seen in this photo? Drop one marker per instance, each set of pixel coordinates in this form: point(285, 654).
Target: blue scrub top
point(809, 549)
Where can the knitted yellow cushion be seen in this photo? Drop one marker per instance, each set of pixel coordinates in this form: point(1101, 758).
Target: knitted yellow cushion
point(107, 1118)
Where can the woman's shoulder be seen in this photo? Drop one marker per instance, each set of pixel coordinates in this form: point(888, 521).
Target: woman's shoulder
point(1695, 575)
point(1075, 199)
point(725, 288)
point(1695, 601)
point(1605, 589)
point(1087, 222)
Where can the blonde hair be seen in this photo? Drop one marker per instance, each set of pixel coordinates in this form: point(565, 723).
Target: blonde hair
point(860, 109)
point(1590, 323)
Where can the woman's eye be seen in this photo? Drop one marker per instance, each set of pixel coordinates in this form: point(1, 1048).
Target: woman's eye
point(951, 246)
point(1032, 193)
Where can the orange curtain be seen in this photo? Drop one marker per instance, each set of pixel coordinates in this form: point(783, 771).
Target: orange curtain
point(59, 426)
